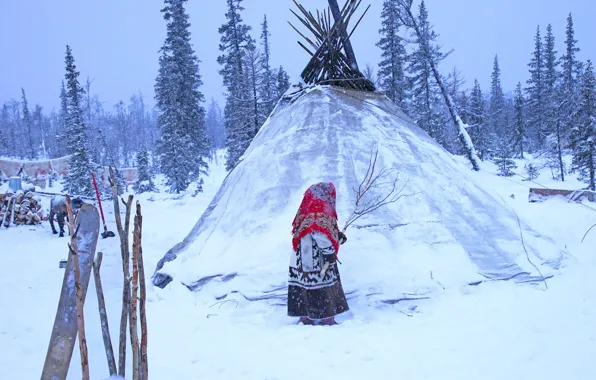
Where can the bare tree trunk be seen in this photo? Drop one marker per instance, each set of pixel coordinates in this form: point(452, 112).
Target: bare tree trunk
point(134, 337)
point(409, 20)
point(78, 292)
point(464, 137)
point(123, 233)
point(105, 329)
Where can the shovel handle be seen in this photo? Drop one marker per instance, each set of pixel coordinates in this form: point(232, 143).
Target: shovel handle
point(99, 201)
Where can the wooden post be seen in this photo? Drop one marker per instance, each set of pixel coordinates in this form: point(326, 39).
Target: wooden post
point(142, 300)
point(78, 291)
point(103, 315)
point(123, 234)
point(347, 44)
point(134, 337)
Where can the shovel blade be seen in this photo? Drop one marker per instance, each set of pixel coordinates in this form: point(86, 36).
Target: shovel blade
point(107, 234)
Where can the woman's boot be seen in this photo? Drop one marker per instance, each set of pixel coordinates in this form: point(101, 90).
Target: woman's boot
point(328, 321)
point(306, 321)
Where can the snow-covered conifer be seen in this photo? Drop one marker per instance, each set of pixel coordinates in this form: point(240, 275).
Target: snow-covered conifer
point(183, 146)
point(391, 74)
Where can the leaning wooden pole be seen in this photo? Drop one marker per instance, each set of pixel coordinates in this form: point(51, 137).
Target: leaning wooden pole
point(134, 337)
point(124, 250)
point(65, 329)
point(103, 315)
point(347, 44)
point(79, 301)
point(142, 299)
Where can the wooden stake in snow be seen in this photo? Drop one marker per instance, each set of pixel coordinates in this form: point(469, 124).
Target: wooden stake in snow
point(123, 234)
point(142, 300)
point(136, 247)
point(78, 292)
point(103, 315)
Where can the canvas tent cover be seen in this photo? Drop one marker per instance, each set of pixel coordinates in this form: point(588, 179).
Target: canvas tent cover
point(445, 231)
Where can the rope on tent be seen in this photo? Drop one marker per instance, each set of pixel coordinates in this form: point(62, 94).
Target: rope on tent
point(521, 234)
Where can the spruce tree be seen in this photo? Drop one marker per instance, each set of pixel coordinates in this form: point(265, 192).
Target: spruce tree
point(144, 182)
point(477, 121)
point(531, 171)
point(267, 79)
point(464, 106)
point(570, 72)
point(535, 98)
point(252, 81)
point(78, 181)
point(583, 135)
point(554, 129)
point(503, 155)
point(550, 82)
point(454, 83)
point(426, 104)
point(215, 127)
point(569, 64)
point(29, 148)
point(4, 131)
point(393, 55)
point(61, 137)
point(519, 130)
point(11, 120)
point(282, 83)
point(497, 105)
point(183, 146)
point(40, 125)
point(238, 116)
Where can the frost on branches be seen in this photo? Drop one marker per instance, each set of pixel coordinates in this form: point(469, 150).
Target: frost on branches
point(78, 180)
point(183, 147)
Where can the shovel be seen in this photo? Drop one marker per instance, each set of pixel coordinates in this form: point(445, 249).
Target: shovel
point(105, 233)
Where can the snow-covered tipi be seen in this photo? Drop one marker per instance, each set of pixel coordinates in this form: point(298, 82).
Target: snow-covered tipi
point(444, 231)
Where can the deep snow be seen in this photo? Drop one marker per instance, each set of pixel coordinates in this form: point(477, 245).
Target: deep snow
point(496, 330)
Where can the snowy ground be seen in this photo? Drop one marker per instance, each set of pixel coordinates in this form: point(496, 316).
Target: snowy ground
point(496, 330)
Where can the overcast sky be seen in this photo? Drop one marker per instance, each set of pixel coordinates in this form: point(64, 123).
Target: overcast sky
point(116, 42)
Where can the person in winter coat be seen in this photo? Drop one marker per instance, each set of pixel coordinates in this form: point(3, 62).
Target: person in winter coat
point(315, 293)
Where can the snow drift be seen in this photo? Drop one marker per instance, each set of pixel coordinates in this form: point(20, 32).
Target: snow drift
point(445, 231)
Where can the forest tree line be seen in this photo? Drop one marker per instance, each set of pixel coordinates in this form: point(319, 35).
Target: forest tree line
point(550, 115)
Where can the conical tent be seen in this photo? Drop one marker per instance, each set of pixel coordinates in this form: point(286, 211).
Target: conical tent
point(445, 230)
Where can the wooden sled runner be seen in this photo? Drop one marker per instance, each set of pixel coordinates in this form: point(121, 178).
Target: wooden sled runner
point(64, 332)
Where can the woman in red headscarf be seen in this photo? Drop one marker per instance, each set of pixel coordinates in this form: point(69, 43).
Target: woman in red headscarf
point(315, 293)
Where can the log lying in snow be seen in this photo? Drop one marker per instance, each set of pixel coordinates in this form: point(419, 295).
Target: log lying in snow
point(539, 195)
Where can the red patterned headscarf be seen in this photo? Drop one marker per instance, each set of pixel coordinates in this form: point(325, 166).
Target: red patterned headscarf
point(317, 213)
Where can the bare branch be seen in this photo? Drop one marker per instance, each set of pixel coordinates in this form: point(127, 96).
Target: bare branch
point(372, 180)
point(586, 234)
